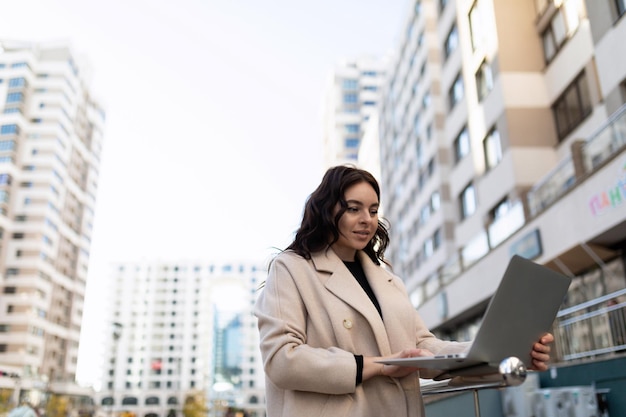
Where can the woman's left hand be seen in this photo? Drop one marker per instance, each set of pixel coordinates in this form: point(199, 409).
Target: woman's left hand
point(541, 352)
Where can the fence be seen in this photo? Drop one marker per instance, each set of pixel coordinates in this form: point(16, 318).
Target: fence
point(591, 329)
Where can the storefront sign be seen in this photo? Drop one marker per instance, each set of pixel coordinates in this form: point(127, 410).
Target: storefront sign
point(529, 246)
point(612, 197)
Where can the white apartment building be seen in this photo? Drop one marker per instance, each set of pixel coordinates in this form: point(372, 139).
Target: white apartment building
point(351, 99)
point(176, 331)
point(51, 134)
point(503, 131)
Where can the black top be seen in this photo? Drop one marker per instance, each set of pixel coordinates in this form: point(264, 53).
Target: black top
point(357, 270)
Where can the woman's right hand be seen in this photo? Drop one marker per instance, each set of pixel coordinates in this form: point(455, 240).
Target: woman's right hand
point(372, 367)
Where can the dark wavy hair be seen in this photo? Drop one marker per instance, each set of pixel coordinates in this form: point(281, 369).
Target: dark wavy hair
point(319, 228)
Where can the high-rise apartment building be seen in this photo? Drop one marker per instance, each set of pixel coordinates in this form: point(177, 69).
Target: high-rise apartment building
point(51, 134)
point(503, 131)
point(351, 100)
point(175, 331)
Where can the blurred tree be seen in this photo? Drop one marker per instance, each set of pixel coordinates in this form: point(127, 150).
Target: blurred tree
point(195, 405)
point(5, 399)
point(57, 406)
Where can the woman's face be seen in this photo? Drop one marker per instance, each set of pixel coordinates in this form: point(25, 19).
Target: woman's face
point(358, 224)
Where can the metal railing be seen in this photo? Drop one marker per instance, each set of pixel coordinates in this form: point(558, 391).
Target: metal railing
point(552, 186)
point(591, 329)
point(607, 141)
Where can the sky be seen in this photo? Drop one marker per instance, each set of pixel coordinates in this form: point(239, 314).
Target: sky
point(213, 133)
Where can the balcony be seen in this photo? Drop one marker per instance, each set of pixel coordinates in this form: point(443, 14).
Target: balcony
point(591, 329)
point(588, 158)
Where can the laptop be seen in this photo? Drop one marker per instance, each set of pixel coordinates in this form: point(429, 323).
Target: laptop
point(522, 309)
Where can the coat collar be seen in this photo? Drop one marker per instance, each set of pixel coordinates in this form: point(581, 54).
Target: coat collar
point(342, 284)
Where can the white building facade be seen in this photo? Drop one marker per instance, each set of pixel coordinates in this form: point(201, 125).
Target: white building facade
point(51, 135)
point(172, 337)
point(502, 132)
point(350, 101)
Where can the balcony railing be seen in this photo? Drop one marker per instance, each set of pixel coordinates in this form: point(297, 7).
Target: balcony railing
point(591, 329)
point(552, 186)
point(605, 143)
point(599, 147)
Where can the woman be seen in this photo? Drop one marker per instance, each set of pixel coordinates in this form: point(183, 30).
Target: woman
point(330, 310)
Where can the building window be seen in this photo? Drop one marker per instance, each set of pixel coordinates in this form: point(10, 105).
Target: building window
point(478, 26)
point(461, 145)
point(9, 129)
point(452, 42)
point(456, 92)
point(352, 128)
point(352, 143)
point(435, 201)
point(500, 210)
point(152, 401)
point(350, 98)
point(484, 80)
point(621, 7)
point(7, 145)
point(492, 148)
point(428, 248)
point(571, 108)
point(132, 400)
point(564, 22)
point(468, 201)
point(15, 98)
point(17, 82)
point(424, 214)
point(350, 84)
point(431, 167)
point(437, 239)
point(426, 100)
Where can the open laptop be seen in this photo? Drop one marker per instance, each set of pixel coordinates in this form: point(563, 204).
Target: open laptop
point(522, 309)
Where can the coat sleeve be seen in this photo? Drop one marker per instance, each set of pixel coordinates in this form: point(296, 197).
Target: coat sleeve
point(426, 340)
point(287, 359)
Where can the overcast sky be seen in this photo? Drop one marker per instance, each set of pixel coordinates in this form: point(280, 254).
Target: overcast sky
point(213, 133)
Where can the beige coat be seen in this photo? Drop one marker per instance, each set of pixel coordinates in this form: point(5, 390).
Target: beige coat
point(313, 317)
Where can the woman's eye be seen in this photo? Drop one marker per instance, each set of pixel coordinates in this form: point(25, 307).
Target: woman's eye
point(353, 209)
point(374, 212)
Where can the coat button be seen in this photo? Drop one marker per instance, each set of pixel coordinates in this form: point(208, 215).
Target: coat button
point(347, 323)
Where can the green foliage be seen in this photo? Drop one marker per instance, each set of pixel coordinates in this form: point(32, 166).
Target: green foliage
point(57, 406)
point(5, 399)
point(195, 405)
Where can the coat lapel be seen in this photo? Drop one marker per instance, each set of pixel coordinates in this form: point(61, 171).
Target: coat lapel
point(342, 284)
